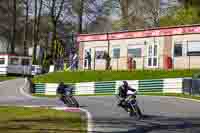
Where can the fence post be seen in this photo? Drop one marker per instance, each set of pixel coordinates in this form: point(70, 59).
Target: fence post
point(143, 58)
point(188, 57)
point(159, 62)
point(94, 65)
point(189, 63)
point(117, 63)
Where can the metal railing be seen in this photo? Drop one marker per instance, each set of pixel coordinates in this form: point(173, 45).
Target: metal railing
point(141, 63)
point(134, 63)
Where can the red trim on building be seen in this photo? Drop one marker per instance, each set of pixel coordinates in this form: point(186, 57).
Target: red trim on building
point(164, 31)
point(8, 55)
point(14, 55)
point(91, 37)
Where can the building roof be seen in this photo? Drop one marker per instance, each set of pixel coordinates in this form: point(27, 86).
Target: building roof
point(141, 33)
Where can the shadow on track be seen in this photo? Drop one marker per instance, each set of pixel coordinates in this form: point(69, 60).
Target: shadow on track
point(152, 124)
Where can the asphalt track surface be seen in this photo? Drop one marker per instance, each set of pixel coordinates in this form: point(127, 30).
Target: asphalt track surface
point(161, 114)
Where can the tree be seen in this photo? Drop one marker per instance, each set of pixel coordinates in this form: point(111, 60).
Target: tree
point(189, 3)
point(80, 13)
point(80, 16)
point(37, 16)
point(55, 9)
point(152, 11)
point(27, 4)
point(100, 24)
point(182, 16)
point(14, 19)
point(6, 19)
point(11, 13)
point(134, 14)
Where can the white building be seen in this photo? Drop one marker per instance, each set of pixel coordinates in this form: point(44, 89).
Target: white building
point(160, 48)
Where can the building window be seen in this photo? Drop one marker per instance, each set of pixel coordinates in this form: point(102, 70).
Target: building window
point(152, 55)
point(150, 51)
point(25, 61)
point(178, 50)
point(155, 62)
point(2, 61)
point(14, 61)
point(135, 52)
point(149, 62)
point(193, 48)
point(155, 50)
point(116, 52)
point(100, 54)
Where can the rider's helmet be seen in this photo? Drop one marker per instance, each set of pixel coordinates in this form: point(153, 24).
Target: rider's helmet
point(125, 83)
point(61, 83)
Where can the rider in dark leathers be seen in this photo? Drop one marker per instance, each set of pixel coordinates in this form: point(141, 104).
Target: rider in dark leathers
point(63, 90)
point(123, 93)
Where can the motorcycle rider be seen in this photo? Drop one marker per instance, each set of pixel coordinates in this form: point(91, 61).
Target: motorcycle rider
point(124, 93)
point(63, 90)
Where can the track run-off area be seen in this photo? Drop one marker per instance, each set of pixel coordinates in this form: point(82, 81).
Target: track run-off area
point(161, 114)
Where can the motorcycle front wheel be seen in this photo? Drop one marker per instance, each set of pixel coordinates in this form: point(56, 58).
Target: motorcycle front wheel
point(138, 112)
point(66, 101)
point(75, 103)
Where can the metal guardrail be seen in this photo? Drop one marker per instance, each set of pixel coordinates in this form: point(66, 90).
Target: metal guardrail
point(142, 86)
point(191, 86)
point(136, 63)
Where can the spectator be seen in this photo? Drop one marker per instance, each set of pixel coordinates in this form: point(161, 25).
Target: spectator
point(89, 58)
point(107, 58)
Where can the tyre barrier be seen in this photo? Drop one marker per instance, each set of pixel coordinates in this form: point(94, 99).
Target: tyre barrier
point(173, 85)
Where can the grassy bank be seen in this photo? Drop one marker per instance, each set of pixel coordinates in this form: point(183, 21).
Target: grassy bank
point(3, 78)
point(143, 94)
point(173, 95)
point(39, 120)
point(87, 76)
point(54, 96)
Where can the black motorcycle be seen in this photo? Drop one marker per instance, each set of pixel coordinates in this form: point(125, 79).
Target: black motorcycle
point(130, 106)
point(69, 99)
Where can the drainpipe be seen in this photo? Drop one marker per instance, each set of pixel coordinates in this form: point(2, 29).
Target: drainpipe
point(108, 44)
point(109, 59)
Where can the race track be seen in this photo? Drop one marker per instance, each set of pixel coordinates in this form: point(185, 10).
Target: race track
point(162, 114)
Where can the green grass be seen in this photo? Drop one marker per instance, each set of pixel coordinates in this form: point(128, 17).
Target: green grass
point(173, 95)
point(39, 120)
point(144, 94)
point(88, 76)
point(54, 96)
point(3, 78)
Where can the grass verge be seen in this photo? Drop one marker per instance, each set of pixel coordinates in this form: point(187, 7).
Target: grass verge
point(172, 95)
point(88, 76)
point(144, 94)
point(3, 78)
point(39, 120)
point(54, 96)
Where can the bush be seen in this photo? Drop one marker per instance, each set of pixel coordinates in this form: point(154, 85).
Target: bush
point(196, 75)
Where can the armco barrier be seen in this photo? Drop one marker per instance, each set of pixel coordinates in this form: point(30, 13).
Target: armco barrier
point(50, 89)
point(105, 87)
point(85, 88)
point(39, 88)
point(173, 85)
point(151, 86)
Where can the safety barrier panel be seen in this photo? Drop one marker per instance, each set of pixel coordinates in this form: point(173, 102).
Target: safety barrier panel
point(39, 88)
point(85, 88)
point(173, 85)
point(105, 87)
point(150, 86)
